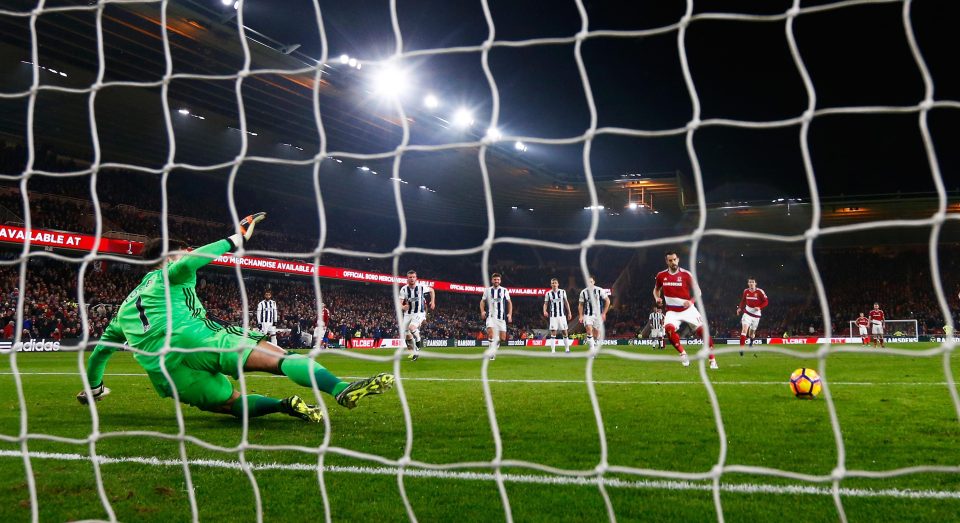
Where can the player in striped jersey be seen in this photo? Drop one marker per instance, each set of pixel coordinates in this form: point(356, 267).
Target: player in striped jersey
point(556, 307)
point(267, 316)
point(496, 300)
point(655, 322)
point(592, 314)
point(413, 301)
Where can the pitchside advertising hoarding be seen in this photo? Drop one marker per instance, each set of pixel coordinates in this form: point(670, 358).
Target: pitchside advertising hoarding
point(40, 345)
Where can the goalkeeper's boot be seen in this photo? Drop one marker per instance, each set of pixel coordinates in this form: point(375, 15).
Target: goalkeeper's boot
point(361, 388)
point(684, 360)
point(296, 407)
point(414, 356)
point(99, 392)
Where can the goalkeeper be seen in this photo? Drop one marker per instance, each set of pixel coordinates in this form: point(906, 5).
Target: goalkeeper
point(199, 376)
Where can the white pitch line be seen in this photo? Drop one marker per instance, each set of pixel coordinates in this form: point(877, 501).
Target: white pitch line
point(601, 382)
point(740, 488)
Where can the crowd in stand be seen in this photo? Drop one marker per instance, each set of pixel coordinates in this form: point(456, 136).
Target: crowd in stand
point(853, 278)
point(51, 306)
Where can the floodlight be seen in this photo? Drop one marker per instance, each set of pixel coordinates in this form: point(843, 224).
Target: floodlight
point(494, 134)
point(344, 58)
point(463, 118)
point(520, 146)
point(226, 2)
point(633, 205)
point(184, 111)
point(352, 62)
point(364, 168)
point(431, 102)
point(390, 81)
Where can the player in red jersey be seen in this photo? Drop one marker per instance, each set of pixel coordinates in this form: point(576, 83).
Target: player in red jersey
point(877, 323)
point(321, 329)
point(751, 303)
point(862, 323)
point(675, 288)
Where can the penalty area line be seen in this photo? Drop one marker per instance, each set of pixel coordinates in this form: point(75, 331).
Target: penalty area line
point(739, 488)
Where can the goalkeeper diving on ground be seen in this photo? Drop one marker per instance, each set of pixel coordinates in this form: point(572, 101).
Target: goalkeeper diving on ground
point(199, 375)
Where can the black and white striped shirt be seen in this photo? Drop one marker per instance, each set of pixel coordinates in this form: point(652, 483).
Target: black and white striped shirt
point(592, 300)
point(556, 303)
point(656, 320)
point(497, 298)
point(416, 296)
point(267, 311)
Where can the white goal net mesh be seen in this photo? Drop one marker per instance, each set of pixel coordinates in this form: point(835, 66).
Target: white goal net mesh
point(605, 473)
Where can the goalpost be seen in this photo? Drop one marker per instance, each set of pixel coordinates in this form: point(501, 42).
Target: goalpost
point(402, 465)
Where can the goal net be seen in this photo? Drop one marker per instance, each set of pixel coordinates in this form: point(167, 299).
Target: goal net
point(485, 441)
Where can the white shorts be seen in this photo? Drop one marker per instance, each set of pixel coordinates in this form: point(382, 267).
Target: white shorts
point(863, 330)
point(412, 321)
point(750, 321)
point(558, 323)
point(877, 329)
point(593, 321)
point(656, 333)
point(268, 329)
point(690, 316)
point(497, 325)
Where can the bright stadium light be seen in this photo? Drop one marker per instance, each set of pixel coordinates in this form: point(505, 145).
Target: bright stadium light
point(184, 111)
point(463, 118)
point(226, 2)
point(431, 101)
point(520, 146)
point(390, 81)
point(236, 5)
point(364, 168)
point(494, 134)
point(344, 58)
point(633, 205)
point(352, 62)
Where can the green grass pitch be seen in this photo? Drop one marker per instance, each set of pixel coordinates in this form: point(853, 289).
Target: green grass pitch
point(894, 412)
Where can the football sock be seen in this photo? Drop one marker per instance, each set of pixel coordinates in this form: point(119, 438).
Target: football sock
point(299, 368)
point(590, 342)
point(257, 405)
point(566, 343)
point(708, 340)
point(743, 340)
point(674, 338)
point(416, 334)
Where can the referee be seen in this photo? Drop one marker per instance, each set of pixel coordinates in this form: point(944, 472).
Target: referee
point(267, 316)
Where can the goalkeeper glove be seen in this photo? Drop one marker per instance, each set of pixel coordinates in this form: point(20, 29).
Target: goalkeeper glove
point(98, 393)
point(246, 227)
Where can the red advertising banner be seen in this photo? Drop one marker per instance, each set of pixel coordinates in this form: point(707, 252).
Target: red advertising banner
point(811, 340)
point(68, 240)
point(83, 242)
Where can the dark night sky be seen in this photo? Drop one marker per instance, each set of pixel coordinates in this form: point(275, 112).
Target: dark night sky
point(856, 56)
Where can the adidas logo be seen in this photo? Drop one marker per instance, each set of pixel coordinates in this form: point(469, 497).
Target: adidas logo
point(41, 345)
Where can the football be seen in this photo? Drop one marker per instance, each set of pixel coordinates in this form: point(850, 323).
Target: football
point(805, 383)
